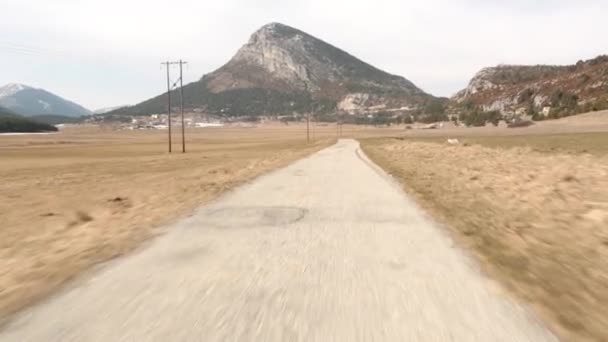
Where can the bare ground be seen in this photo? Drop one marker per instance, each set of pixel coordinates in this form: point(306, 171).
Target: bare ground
point(536, 217)
point(71, 200)
point(325, 249)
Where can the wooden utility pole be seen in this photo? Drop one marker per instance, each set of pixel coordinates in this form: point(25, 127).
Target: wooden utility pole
point(337, 125)
point(308, 128)
point(167, 65)
point(313, 121)
point(181, 100)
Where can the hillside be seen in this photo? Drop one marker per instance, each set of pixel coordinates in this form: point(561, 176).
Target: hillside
point(28, 101)
point(13, 123)
point(5, 113)
point(107, 109)
point(55, 119)
point(281, 70)
point(540, 90)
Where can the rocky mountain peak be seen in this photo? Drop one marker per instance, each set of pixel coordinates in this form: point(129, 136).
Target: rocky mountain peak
point(282, 69)
point(273, 31)
point(29, 101)
point(278, 50)
point(284, 58)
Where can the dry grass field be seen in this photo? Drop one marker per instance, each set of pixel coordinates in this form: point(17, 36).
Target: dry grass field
point(532, 202)
point(594, 143)
point(71, 200)
point(534, 208)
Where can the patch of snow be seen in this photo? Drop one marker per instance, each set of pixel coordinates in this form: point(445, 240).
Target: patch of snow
point(38, 133)
point(207, 124)
point(12, 89)
point(45, 105)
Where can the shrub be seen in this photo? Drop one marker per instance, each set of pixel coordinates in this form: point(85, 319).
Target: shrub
point(520, 123)
point(21, 124)
point(479, 118)
point(525, 96)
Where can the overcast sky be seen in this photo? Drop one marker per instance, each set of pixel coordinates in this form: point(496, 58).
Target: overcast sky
point(107, 52)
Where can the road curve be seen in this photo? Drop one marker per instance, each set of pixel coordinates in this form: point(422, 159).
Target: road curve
point(327, 249)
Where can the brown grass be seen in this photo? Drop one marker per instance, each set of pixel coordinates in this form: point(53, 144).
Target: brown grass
point(537, 220)
point(71, 200)
point(595, 143)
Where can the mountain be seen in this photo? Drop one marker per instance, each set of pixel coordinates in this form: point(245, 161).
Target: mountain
point(52, 119)
point(553, 91)
point(5, 113)
point(282, 69)
point(12, 123)
point(29, 101)
point(107, 109)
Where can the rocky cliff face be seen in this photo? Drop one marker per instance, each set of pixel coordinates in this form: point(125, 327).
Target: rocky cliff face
point(274, 56)
point(285, 56)
point(562, 90)
point(282, 69)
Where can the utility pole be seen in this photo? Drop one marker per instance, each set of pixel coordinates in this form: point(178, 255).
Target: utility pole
point(313, 123)
point(308, 128)
point(181, 100)
point(337, 125)
point(167, 65)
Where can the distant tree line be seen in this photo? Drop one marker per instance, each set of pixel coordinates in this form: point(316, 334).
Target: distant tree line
point(17, 124)
point(471, 115)
point(233, 103)
point(562, 104)
point(434, 111)
point(565, 104)
point(478, 118)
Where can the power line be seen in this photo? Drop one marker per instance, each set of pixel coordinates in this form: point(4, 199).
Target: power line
point(32, 50)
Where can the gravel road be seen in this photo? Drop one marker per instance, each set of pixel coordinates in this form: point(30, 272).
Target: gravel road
point(327, 249)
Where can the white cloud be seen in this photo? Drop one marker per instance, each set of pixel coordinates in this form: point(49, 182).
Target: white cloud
point(102, 53)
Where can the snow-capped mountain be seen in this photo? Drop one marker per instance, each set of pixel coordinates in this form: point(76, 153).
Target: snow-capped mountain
point(30, 101)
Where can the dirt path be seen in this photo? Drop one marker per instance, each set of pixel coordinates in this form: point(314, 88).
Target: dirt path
point(327, 249)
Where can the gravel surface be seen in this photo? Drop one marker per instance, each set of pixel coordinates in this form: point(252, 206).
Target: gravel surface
point(327, 249)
